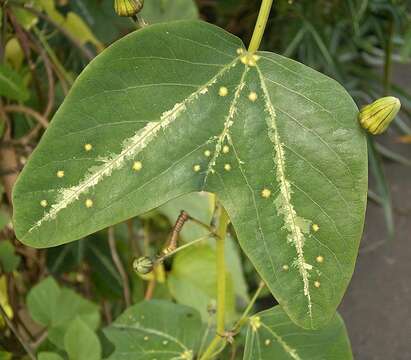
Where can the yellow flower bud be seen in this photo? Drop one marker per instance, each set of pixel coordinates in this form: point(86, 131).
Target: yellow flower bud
point(128, 7)
point(377, 116)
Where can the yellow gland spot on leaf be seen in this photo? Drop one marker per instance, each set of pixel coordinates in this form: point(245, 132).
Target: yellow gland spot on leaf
point(267, 342)
point(226, 149)
point(266, 193)
point(223, 91)
point(286, 267)
point(137, 165)
point(196, 168)
point(145, 338)
point(227, 167)
point(88, 147)
point(207, 153)
point(60, 174)
point(255, 322)
point(88, 203)
point(317, 284)
point(240, 51)
point(252, 96)
point(319, 259)
point(43, 203)
point(315, 227)
point(165, 342)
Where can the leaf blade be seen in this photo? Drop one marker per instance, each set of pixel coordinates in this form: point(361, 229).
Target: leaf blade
point(292, 178)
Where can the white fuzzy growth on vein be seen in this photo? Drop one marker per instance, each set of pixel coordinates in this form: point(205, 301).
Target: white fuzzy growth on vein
point(229, 121)
point(295, 225)
point(130, 148)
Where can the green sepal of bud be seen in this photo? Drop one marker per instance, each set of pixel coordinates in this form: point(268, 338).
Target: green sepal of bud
point(143, 265)
point(377, 116)
point(128, 8)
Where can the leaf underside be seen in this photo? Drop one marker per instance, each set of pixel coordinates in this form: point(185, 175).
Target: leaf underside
point(271, 335)
point(181, 107)
point(155, 330)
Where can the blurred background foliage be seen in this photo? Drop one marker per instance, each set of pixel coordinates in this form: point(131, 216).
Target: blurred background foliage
point(44, 45)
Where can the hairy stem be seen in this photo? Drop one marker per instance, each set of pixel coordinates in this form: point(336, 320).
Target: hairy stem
point(260, 25)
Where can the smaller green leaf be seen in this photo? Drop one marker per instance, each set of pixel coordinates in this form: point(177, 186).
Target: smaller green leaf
point(57, 308)
point(194, 272)
point(8, 259)
point(272, 335)
point(155, 330)
point(47, 355)
point(12, 85)
point(70, 306)
point(155, 11)
point(25, 18)
point(4, 355)
point(81, 343)
point(42, 300)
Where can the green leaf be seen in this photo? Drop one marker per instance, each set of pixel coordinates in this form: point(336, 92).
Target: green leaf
point(155, 11)
point(9, 261)
point(12, 85)
point(156, 329)
point(47, 355)
point(70, 306)
point(172, 109)
point(42, 300)
point(4, 355)
point(57, 308)
point(81, 343)
point(272, 335)
point(194, 272)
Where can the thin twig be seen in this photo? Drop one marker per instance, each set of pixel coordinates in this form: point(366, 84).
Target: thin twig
point(8, 156)
point(16, 334)
point(25, 45)
point(150, 288)
point(28, 111)
point(119, 266)
point(86, 52)
point(49, 71)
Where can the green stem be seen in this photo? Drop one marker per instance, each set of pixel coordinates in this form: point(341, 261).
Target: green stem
point(52, 55)
point(182, 247)
point(221, 283)
point(246, 312)
point(260, 25)
point(221, 269)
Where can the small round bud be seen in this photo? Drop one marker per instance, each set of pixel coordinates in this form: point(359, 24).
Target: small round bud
point(143, 265)
point(128, 8)
point(377, 116)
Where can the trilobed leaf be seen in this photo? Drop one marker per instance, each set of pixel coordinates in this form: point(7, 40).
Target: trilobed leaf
point(271, 335)
point(180, 107)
